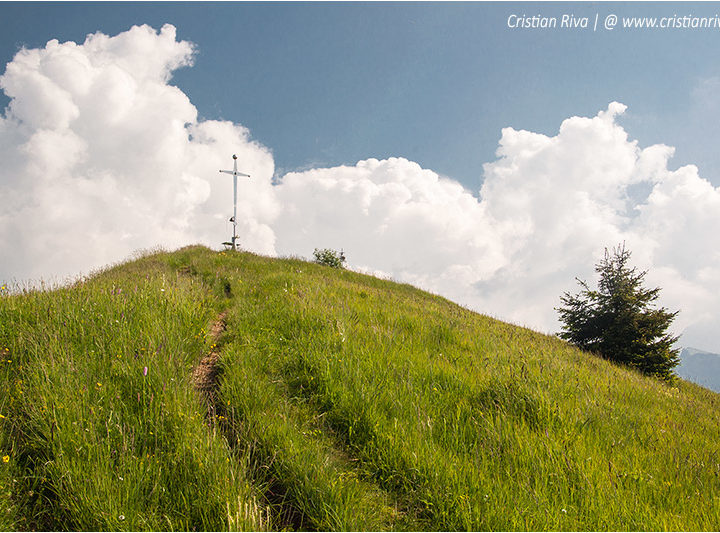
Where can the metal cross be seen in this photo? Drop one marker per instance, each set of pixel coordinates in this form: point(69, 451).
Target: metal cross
point(235, 174)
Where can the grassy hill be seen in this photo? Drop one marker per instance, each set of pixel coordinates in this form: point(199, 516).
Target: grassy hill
point(207, 391)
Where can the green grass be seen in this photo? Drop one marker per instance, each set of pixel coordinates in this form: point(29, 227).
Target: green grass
point(93, 443)
point(344, 402)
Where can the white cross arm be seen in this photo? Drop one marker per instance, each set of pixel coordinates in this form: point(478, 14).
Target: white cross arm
point(235, 173)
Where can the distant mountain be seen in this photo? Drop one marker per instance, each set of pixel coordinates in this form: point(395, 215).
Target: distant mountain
point(700, 367)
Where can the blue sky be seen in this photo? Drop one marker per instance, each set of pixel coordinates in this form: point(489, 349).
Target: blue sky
point(332, 83)
point(432, 142)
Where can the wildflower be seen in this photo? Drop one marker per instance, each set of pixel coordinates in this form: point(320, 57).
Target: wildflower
point(121, 517)
point(145, 371)
point(1, 416)
point(98, 384)
point(563, 510)
point(6, 459)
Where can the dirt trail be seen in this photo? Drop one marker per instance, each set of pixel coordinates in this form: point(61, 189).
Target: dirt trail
point(205, 378)
point(206, 372)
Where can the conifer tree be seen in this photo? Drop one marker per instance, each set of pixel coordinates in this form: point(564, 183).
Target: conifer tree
point(618, 321)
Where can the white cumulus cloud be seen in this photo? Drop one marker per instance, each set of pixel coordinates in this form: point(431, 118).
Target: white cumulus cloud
point(103, 156)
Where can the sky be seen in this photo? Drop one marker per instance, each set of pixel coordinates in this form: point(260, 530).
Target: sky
point(437, 144)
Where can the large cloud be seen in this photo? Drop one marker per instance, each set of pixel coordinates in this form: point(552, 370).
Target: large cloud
point(392, 217)
point(102, 156)
point(589, 187)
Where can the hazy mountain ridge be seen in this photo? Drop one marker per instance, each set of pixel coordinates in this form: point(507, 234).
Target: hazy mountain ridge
point(700, 367)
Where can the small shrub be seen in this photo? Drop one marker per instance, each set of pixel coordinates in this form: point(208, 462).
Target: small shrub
point(329, 258)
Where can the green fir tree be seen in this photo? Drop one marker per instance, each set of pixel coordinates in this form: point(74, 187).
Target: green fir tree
point(618, 321)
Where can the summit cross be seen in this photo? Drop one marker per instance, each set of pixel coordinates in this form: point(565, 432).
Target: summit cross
point(235, 174)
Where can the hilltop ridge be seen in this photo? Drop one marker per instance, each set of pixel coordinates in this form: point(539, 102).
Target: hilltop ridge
point(331, 400)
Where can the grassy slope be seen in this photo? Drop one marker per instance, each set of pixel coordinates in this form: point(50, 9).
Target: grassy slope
point(345, 402)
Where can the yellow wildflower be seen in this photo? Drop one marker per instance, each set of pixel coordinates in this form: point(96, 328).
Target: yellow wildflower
point(6, 459)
